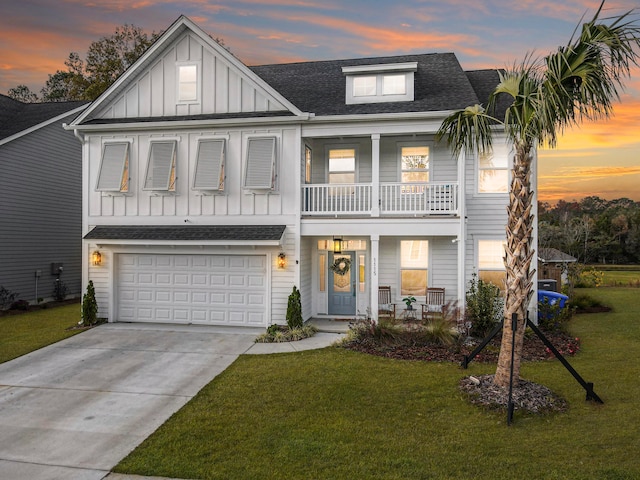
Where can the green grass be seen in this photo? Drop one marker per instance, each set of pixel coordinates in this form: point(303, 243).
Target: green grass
point(23, 333)
point(338, 414)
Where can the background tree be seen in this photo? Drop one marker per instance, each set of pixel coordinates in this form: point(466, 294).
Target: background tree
point(105, 61)
point(579, 81)
point(22, 93)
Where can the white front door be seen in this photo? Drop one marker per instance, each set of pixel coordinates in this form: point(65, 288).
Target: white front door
point(205, 289)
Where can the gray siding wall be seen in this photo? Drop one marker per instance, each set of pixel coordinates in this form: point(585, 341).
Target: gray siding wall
point(40, 211)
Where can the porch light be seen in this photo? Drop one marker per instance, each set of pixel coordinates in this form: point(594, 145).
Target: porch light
point(96, 258)
point(282, 260)
point(337, 244)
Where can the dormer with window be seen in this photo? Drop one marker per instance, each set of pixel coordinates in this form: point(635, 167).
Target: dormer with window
point(392, 82)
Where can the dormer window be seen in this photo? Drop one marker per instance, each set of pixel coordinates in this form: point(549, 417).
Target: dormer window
point(380, 83)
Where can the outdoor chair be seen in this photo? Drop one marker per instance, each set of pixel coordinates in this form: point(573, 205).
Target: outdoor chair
point(386, 308)
point(434, 305)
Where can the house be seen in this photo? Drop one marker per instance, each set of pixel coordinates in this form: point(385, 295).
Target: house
point(553, 266)
point(40, 199)
point(212, 188)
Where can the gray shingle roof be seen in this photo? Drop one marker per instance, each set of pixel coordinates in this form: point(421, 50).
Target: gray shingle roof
point(17, 116)
point(319, 87)
point(187, 232)
point(553, 255)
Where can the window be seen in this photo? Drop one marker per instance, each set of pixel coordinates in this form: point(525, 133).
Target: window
point(209, 174)
point(493, 171)
point(114, 168)
point(260, 171)
point(364, 86)
point(188, 83)
point(414, 261)
point(342, 165)
point(161, 167)
point(307, 164)
point(394, 84)
point(414, 164)
point(491, 261)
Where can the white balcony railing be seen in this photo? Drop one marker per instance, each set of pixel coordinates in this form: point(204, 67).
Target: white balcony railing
point(434, 198)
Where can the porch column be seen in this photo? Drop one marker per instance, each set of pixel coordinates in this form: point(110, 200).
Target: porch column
point(375, 177)
point(375, 246)
point(462, 236)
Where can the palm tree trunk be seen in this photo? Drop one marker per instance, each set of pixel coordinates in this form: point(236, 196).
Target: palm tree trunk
point(518, 257)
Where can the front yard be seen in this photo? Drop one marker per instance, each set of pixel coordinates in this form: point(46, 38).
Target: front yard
point(335, 413)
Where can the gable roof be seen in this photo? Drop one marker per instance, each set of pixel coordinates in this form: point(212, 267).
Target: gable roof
point(182, 25)
point(17, 117)
point(320, 87)
point(553, 255)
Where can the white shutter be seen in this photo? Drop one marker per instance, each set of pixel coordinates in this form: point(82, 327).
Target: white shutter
point(261, 159)
point(161, 166)
point(112, 168)
point(209, 165)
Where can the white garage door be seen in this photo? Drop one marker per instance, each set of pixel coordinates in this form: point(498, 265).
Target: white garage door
point(206, 289)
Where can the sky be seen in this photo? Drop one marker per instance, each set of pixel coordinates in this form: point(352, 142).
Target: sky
point(603, 158)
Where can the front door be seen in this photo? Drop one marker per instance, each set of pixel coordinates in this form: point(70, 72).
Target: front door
point(342, 283)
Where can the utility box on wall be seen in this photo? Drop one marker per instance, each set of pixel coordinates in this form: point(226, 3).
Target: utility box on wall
point(57, 268)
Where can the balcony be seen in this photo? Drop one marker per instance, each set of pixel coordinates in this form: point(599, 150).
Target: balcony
point(400, 199)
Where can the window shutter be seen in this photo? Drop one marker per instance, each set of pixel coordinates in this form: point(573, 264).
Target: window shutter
point(209, 165)
point(112, 168)
point(261, 157)
point(161, 166)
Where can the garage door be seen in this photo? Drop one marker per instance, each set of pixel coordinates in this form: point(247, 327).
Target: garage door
point(206, 289)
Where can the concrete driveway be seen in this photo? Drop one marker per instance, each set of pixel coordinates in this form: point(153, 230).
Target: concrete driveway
point(74, 409)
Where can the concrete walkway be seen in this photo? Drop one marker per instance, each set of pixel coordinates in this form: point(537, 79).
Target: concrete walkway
point(74, 409)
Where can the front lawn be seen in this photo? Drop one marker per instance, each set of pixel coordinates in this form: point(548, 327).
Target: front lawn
point(334, 413)
point(22, 333)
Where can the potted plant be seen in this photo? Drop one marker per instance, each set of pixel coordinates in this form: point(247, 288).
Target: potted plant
point(410, 300)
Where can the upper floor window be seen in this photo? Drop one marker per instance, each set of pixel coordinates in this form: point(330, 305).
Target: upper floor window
point(307, 164)
point(491, 261)
point(188, 88)
point(414, 164)
point(210, 157)
point(414, 262)
point(114, 168)
point(260, 167)
point(493, 171)
point(161, 166)
point(392, 82)
point(342, 165)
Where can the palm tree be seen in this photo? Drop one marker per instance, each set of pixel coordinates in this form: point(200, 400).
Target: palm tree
point(579, 81)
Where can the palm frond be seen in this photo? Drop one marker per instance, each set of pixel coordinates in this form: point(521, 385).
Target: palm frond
point(469, 130)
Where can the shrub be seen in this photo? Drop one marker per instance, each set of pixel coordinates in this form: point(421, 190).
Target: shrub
point(282, 333)
point(89, 306)
point(19, 305)
point(59, 290)
point(7, 297)
point(553, 318)
point(589, 278)
point(294, 310)
point(485, 306)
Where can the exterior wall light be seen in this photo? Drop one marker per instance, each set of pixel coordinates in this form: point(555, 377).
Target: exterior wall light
point(96, 258)
point(282, 260)
point(337, 244)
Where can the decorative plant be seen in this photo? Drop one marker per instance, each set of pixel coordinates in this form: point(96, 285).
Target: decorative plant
point(6, 298)
point(409, 300)
point(294, 310)
point(59, 290)
point(89, 306)
point(484, 306)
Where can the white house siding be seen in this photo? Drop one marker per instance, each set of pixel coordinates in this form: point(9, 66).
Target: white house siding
point(223, 88)
point(40, 211)
point(235, 200)
point(306, 283)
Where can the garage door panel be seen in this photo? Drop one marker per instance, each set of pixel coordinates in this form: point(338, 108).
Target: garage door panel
point(207, 289)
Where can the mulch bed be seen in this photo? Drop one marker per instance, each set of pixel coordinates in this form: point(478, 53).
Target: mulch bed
point(533, 349)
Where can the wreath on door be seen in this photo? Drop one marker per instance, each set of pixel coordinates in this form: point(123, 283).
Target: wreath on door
point(341, 265)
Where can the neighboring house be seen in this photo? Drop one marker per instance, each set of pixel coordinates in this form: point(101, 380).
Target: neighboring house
point(212, 188)
point(553, 265)
point(40, 198)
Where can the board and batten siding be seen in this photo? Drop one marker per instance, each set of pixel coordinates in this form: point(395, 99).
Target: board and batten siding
point(223, 87)
point(234, 200)
point(41, 212)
